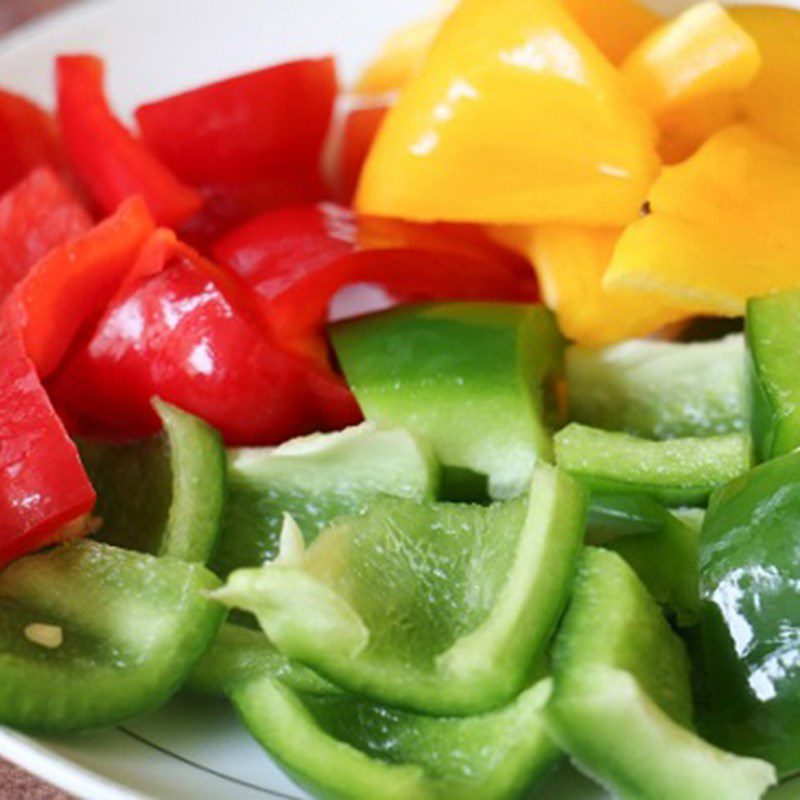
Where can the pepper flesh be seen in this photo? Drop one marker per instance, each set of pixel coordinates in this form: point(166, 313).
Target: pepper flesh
point(500, 128)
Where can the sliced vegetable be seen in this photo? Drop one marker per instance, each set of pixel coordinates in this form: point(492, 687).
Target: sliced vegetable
point(621, 704)
point(130, 626)
point(677, 472)
point(316, 479)
point(43, 486)
point(71, 285)
point(773, 330)
point(659, 390)
point(240, 655)
point(37, 215)
point(358, 135)
point(614, 516)
point(734, 202)
point(490, 132)
point(471, 379)
point(748, 581)
point(164, 495)
point(28, 139)
point(442, 609)
point(349, 747)
point(110, 161)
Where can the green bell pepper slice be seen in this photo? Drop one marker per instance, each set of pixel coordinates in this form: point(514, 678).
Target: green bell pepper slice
point(91, 635)
point(621, 704)
point(660, 390)
point(439, 608)
point(315, 479)
point(677, 472)
point(346, 747)
point(164, 495)
point(749, 574)
point(472, 379)
point(772, 327)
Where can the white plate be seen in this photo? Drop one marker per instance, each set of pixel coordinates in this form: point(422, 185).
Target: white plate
point(192, 748)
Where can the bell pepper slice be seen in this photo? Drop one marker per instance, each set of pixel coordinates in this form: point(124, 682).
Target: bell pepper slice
point(360, 128)
point(479, 590)
point(28, 139)
point(776, 31)
point(71, 285)
point(472, 379)
point(241, 654)
point(772, 325)
point(349, 747)
point(659, 390)
point(748, 584)
point(497, 130)
point(163, 495)
point(621, 705)
point(92, 635)
point(678, 472)
point(181, 331)
point(43, 486)
point(734, 202)
point(37, 215)
point(108, 159)
point(316, 478)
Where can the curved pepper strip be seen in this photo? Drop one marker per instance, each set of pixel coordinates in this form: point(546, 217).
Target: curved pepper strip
point(477, 591)
point(107, 158)
point(91, 635)
point(71, 285)
point(43, 486)
point(297, 259)
point(176, 331)
point(28, 139)
point(36, 215)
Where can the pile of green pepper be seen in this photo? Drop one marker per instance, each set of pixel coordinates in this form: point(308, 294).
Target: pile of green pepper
point(449, 600)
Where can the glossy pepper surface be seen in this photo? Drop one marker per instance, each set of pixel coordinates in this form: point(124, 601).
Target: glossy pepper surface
point(108, 159)
point(516, 117)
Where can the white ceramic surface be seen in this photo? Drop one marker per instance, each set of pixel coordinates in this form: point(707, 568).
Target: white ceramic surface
point(193, 748)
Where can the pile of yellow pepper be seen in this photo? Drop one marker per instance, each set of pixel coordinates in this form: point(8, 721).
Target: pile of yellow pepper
point(648, 167)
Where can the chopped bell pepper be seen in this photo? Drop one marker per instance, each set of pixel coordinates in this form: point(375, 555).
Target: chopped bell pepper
point(315, 479)
point(43, 486)
point(107, 158)
point(689, 75)
point(297, 259)
point(721, 227)
point(621, 705)
point(437, 608)
point(659, 390)
point(515, 118)
point(164, 495)
point(473, 379)
point(750, 611)
point(71, 285)
point(129, 627)
point(28, 139)
point(36, 215)
point(358, 135)
point(679, 472)
point(180, 332)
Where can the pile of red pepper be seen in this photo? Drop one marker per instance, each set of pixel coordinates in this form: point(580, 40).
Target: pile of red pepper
point(197, 261)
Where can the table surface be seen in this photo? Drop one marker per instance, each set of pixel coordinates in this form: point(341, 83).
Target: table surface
point(14, 783)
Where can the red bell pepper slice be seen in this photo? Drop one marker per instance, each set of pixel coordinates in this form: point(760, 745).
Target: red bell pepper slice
point(107, 158)
point(174, 331)
point(297, 259)
point(28, 139)
point(43, 486)
point(252, 127)
point(358, 133)
point(72, 284)
point(36, 215)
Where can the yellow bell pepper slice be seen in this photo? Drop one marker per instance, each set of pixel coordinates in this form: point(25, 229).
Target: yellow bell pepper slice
point(515, 118)
point(770, 102)
point(722, 227)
